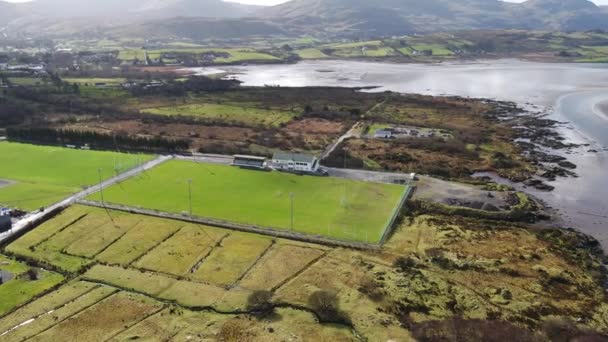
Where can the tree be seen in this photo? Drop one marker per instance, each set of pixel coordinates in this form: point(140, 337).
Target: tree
point(325, 304)
point(260, 303)
point(32, 274)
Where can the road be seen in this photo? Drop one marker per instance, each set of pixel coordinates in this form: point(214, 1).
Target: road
point(34, 217)
point(353, 132)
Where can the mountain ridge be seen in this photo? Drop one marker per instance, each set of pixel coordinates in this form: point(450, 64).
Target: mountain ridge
point(324, 18)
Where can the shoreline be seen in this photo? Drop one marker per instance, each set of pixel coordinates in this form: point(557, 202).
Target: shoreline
point(601, 109)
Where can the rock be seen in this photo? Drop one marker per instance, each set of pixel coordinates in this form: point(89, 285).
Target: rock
point(489, 207)
point(566, 164)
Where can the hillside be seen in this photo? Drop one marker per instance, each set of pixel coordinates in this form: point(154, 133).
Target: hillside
point(388, 17)
point(321, 18)
point(131, 9)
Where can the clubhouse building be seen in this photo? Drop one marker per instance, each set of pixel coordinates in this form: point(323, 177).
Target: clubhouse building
point(295, 162)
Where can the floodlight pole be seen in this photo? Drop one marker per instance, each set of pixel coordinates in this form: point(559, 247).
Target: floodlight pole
point(190, 195)
point(291, 195)
point(101, 187)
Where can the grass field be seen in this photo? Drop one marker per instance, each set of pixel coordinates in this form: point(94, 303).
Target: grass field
point(22, 288)
point(338, 208)
point(48, 174)
point(311, 53)
point(225, 112)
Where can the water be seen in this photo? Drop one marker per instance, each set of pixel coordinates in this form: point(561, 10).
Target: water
point(569, 92)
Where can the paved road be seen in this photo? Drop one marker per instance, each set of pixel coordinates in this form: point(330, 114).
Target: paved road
point(32, 218)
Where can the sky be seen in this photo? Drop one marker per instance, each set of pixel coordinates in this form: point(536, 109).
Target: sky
point(275, 2)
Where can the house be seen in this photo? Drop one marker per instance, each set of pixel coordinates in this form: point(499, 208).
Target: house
point(383, 134)
point(295, 162)
point(249, 162)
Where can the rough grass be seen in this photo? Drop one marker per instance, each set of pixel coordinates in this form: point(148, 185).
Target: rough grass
point(138, 241)
point(237, 253)
point(102, 320)
point(46, 320)
point(187, 325)
point(181, 252)
point(338, 208)
point(225, 112)
point(45, 304)
point(185, 293)
point(80, 230)
point(50, 173)
point(280, 263)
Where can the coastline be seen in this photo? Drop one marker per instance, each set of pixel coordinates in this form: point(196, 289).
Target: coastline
point(602, 109)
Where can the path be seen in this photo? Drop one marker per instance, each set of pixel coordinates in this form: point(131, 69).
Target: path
point(32, 218)
point(353, 132)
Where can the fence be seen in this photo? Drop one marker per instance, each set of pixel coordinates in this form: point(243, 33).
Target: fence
point(317, 239)
point(391, 223)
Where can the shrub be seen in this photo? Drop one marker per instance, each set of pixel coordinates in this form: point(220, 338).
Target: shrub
point(325, 305)
point(260, 303)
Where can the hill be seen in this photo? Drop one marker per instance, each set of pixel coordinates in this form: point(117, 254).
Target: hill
point(322, 18)
point(132, 9)
point(388, 17)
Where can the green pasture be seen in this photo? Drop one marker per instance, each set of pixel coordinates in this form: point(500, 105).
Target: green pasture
point(338, 208)
point(22, 288)
point(41, 175)
point(311, 53)
point(226, 112)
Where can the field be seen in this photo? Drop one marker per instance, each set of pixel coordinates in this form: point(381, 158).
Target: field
point(227, 113)
point(49, 174)
point(433, 268)
point(311, 53)
point(338, 208)
point(23, 287)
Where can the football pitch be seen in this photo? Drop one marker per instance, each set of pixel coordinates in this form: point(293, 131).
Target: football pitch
point(36, 176)
point(333, 207)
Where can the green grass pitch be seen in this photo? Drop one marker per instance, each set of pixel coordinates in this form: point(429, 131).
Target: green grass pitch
point(41, 175)
point(338, 208)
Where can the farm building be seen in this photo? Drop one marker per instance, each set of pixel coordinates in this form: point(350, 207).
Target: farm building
point(249, 162)
point(298, 162)
point(5, 219)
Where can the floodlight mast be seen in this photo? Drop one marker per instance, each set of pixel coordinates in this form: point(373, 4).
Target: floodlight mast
point(101, 187)
point(190, 196)
point(291, 196)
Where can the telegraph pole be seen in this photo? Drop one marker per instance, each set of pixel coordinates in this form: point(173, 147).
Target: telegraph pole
point(190, 195)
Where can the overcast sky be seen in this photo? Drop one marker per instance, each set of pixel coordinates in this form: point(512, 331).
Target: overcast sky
point(274, 2)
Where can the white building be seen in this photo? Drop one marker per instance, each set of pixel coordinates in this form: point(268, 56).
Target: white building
point(384, 133)
point(295, 162)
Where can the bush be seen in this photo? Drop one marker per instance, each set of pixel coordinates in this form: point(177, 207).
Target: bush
point(325, 305)
point(259, 303)
point(403, 264)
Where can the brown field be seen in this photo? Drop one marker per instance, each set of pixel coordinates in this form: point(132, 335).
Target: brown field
point(102, 320)
point(434, 268)
point(278, 265)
